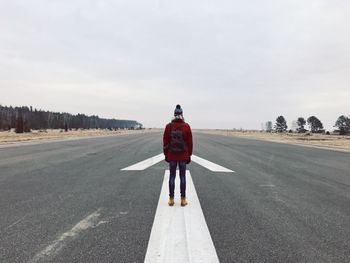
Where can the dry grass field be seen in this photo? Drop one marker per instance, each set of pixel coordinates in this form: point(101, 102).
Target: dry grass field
point(322, 140)
point(11, 136)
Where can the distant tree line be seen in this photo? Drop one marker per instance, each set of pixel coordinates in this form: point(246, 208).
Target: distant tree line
point(316, 126)
point(25, 119)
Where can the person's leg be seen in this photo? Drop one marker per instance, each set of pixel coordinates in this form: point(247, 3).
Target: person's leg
point(172, 166)
point(182, 168)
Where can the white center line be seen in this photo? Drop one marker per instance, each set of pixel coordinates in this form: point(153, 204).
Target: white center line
point(210, 165)
point(145, 164)
point(180, 234)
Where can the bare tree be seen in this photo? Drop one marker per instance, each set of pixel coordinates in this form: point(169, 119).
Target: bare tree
point(268, 126)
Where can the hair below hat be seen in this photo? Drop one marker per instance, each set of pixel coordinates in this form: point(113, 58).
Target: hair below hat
point(178, 110)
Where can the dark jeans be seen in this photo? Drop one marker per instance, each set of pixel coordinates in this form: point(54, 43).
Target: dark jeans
point(182, 168)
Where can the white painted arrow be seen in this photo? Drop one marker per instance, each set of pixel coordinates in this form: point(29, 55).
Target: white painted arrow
point(180, 234)
point(158, 158)
point(210, 165)
point(145, 164)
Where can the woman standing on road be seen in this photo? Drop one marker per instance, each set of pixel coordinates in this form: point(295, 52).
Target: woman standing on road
point(177, 147)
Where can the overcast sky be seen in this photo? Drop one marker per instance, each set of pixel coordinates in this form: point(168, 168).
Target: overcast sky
point(230, 64)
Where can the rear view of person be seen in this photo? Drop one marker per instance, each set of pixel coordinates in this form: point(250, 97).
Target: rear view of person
point(178, 147)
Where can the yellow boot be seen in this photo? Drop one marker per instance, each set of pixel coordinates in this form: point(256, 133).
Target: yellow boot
point(171, 201)
point(183, 201)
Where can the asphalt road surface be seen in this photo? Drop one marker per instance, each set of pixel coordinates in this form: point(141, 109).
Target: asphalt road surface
point(69, 201)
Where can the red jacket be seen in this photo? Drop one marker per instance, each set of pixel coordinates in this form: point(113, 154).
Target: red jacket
point(187, 135)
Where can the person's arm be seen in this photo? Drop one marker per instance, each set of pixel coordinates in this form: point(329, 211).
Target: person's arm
point(166, 140)
point(190, 141)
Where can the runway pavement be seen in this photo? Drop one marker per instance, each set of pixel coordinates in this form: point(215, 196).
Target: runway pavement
point(70, 201)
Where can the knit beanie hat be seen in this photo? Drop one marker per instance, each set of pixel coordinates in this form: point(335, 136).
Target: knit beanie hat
point(178, 110)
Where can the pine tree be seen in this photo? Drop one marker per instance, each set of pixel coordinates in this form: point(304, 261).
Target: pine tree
point(343, 123)
point(19, 123)
point(281, 124)
point(315, 124)
point(301, 123)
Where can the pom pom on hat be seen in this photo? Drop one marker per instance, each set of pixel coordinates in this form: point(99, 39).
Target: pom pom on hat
point(178, 110)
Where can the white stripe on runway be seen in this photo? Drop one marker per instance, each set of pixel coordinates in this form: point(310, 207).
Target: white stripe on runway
point(180, 234)
point(145, 164)
point(56, 246)
point(210, 165)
